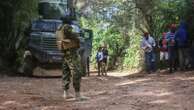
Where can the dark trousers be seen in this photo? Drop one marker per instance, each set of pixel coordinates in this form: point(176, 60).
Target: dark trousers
point(99, 67)
point(192, 57)
point(150, 61)
point(172, 51)
point(71, 70)
point(183, 54)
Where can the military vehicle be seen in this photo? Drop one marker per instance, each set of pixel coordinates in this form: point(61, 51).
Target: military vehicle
point(41, 46)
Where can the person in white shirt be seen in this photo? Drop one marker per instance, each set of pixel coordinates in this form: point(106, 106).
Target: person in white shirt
point(148, 43)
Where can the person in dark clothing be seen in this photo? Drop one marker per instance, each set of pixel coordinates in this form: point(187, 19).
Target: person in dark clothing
point(172, 48)
point(183, 50)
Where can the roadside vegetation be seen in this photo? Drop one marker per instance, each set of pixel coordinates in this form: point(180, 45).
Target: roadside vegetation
point(118, 23)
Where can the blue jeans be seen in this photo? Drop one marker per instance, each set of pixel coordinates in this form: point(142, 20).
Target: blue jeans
point(150, 61)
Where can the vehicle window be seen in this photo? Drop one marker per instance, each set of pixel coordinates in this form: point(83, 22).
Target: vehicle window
point(53, 10)
point(44, 26)
point(58, 24)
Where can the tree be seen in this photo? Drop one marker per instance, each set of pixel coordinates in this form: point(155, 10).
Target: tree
point(124, 21)
point(15, 18)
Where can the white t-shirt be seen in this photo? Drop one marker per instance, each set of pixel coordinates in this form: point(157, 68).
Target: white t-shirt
point(148, 44)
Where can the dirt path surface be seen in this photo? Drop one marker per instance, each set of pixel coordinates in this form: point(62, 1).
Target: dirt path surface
point(136, 92)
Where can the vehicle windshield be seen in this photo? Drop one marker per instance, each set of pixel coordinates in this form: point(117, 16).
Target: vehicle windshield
point(54, 9)
point(43, 26)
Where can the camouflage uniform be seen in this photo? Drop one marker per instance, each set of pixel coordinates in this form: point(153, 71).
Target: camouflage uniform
point(71, 63)
point(71, 68)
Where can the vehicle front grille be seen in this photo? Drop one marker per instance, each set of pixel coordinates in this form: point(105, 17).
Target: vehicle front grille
point(49, 44)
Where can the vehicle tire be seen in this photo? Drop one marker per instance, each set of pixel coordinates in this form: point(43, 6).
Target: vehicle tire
point(28, 65)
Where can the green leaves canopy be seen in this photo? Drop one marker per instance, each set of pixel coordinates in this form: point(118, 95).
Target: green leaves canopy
point(120, 24)
point(15, 18)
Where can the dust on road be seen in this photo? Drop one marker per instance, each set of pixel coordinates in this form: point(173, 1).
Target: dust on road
point(139, 92)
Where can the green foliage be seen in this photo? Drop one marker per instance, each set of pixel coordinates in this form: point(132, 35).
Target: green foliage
point(133, 57)
point(120, 23)
point(15, 18)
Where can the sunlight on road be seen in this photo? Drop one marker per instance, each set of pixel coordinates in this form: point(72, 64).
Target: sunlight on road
point(159, 102)
point(122, 74)
point(129, 82)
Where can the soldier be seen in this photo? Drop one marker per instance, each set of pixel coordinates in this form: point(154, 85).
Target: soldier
point(69, 42)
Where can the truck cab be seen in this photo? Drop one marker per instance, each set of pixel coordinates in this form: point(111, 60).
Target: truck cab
point(42, 41)
point(56, 9)
point(41, 46)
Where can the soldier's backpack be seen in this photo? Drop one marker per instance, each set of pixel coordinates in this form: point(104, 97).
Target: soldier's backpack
point(61, 37)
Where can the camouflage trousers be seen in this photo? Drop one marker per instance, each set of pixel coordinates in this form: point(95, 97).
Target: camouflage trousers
point(102, 68)
point(71, 69)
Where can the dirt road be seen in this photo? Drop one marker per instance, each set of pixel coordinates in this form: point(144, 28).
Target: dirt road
point(139, 92)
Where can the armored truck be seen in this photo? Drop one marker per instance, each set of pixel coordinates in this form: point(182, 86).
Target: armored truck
point(41, 44)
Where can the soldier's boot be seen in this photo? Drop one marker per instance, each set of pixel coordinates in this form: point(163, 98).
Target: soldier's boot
point(79, 97)
point(67, 95)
